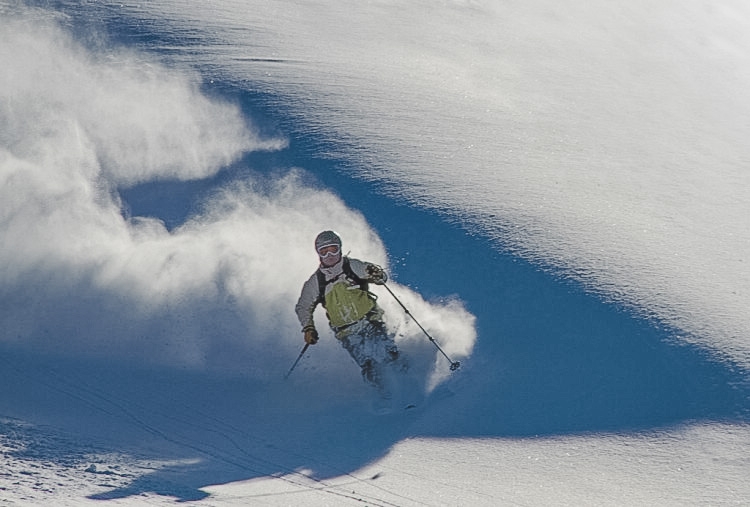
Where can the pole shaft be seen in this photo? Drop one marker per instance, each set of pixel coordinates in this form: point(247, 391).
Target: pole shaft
point(454, 364)
point(304, 349)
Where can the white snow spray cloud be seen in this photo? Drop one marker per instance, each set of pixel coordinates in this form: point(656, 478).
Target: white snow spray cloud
point(606, 141)
point(77, 277)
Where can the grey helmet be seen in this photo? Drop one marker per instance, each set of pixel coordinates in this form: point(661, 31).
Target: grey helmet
point(327, 238)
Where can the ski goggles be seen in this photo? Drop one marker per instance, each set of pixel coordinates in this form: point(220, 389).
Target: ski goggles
point(328, 251)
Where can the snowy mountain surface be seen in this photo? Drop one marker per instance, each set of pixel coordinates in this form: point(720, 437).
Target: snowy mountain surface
point(559, 194)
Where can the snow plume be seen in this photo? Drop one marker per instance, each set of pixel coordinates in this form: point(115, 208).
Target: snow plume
point(452, 328)
point(606, 141)
point(76, 125)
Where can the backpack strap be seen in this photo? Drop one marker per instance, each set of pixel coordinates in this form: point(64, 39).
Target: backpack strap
point(348, 272)
point(321, 287)
point(363, 285)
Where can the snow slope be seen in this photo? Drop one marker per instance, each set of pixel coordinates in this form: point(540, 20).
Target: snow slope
point(164, 168)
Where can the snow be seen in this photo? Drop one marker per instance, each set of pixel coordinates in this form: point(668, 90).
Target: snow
point(154, 437)
point(605, 141)
point(559, 195)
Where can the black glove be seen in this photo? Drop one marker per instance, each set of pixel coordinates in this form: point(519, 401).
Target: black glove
point(376, 274)
point(311, 335)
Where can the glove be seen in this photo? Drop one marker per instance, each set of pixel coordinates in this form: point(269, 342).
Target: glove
point(311, 335)
point(377, 275)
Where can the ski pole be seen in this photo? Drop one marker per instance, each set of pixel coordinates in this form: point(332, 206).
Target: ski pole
point(304, 349)
point(454, 364)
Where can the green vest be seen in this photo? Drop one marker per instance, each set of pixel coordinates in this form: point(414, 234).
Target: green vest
point(347, 304)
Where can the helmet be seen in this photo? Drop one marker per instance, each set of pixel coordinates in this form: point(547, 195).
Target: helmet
point(327, 238)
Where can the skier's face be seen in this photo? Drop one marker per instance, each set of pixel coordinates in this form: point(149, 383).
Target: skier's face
point(329, 255)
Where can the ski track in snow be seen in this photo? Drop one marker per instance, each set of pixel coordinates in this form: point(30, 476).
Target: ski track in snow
point(44, 464)
point(155, 440)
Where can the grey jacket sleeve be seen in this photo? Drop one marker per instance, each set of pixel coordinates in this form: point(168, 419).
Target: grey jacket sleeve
point(307, 302)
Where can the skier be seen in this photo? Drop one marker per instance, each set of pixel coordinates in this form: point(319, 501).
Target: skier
point(340, 284)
